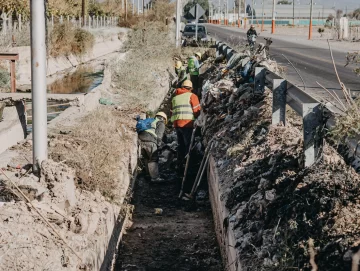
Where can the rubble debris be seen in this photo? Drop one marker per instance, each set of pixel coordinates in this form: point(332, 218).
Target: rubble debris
point(276, 205)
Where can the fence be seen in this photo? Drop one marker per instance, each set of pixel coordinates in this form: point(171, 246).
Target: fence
point(310, 109)
point(7, 25)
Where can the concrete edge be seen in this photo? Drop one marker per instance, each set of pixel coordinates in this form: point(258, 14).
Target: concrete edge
point(224, 233)
point(13, 127)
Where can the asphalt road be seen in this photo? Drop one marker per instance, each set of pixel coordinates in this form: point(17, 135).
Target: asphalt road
point(314, 64)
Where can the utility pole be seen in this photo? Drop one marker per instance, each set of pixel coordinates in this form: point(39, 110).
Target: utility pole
point(252, 12)
point(227, 12)
point(310, 22)
point(196, 22)
point(245, 15)
point(177, 34)
point(293, 13)
point(273, 19)
point(38, 82)
point(83, 12)
point(138, 7)
point(239, 13)
point(133, 7)
point(262, 24)
point(143, 8)
point(126, 10)
point(219, 11)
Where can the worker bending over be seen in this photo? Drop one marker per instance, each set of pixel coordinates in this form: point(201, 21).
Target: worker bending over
point(150, 133)
point(185, 107)
point(193, 69)
point(180, 71)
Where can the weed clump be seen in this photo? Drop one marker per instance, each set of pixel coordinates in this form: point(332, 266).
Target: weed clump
point(162, 10)
point(65, 39)
point(150, 52)
point(4, 79)
point(95, 150)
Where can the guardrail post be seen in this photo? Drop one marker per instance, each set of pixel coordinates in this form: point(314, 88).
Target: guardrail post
point(312, 126)
point(218, 44)
point(221, 46)
point(279, 101)
point(229, 53)
point(259, 80)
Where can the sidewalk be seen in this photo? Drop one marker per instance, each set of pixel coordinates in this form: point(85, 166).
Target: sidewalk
point(299, 35)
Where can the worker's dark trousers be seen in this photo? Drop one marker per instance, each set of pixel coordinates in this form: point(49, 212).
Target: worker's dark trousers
point(149, 152)
point(196, 85)
point(184, 138)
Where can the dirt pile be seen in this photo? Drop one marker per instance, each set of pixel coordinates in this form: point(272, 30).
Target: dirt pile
point(280, 211)
point(82, 218)
point(81, 191)
point(140, 78)
point(94, 148)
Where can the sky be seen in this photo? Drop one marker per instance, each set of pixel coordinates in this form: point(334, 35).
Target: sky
point(339, 4)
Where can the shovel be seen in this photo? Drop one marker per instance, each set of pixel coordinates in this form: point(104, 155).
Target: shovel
point(187, 162)
point(201, 170)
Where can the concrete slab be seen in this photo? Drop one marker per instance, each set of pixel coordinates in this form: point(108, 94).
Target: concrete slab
point(13, 127)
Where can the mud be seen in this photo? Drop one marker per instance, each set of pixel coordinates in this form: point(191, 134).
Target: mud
point(178, 239)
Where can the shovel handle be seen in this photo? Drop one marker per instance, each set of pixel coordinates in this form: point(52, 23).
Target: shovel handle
point(201, 166)
point(187, 161)
point(201, 170)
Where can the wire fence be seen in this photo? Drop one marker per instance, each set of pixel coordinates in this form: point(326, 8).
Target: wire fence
point(16, 32)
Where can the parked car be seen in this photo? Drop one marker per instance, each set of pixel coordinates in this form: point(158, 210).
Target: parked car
point(188, 36)
point(189, 32)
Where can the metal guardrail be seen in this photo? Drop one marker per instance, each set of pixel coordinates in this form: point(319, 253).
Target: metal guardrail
point(310, 109)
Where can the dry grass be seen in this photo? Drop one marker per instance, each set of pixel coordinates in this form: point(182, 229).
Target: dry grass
point(21, 38)
point(354, 58)
point(95, 148)
point(150, 52)
point(347, 122)
point(162, 9)
point(65, 39)
point(4, 80)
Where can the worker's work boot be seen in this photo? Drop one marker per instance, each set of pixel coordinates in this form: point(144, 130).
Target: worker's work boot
point(153, 170)
point(157, 180)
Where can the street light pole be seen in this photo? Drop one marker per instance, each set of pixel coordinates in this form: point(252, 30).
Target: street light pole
point(177, 34)
point(227, 12)
point(83, 12)
point(239, 13)
point(310, 22)
point(293, 13)
point(143, 8)
point(262, 24)
point(245, 15)
point(38, 82)
point(252, 12)
point(273, 19)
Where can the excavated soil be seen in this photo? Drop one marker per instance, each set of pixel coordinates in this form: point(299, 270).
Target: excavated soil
point(181, 238)
point(283, 216)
